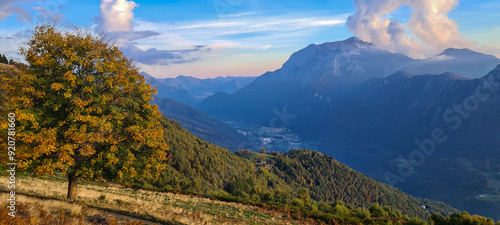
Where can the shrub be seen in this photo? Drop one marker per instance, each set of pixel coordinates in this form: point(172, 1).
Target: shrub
point(298, 203)
point(362, 213)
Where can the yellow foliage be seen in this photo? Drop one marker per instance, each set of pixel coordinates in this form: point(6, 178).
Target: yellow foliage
point(57, 86)
point(86, 103)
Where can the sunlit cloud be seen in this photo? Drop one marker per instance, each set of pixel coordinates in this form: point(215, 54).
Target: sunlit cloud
point(429, 29)
point(116, 15)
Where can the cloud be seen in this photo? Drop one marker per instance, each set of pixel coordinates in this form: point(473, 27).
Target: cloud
point(154, 56)
point(242, 14)
point(9, 7)
point(251, 34)
point(429, 29)
point(124, 38)
point(116, 19)
point(116, 15)
point(48, 14)
point(252, 31)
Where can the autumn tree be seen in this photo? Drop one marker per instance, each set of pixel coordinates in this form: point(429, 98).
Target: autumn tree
point(83, 110)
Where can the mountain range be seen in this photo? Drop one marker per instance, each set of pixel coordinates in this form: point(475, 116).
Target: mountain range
point(191, 91)
point(318, 74)
point(356, 102)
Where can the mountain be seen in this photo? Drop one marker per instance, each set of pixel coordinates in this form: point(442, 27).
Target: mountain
point(318, 74)
point(202, 88)
point(463, 62)
point(167, 91)
point(433, 136)
point(202, 125)
point(191, 90)
point(340, 96)
point(310, 78)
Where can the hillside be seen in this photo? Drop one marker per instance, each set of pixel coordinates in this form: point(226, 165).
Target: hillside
point(202, 125)
point(328, 181)
point(198, 166)
point(41, 201)
point(375, 127)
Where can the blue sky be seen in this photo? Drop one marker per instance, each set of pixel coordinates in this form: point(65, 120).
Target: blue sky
point(208, 38)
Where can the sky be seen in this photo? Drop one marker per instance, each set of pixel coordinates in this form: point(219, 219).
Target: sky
point(209, 38)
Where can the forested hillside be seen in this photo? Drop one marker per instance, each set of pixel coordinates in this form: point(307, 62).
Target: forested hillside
point(197, 166)
point(328, 180)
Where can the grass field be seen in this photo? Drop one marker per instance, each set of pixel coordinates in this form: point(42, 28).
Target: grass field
point(119, 205)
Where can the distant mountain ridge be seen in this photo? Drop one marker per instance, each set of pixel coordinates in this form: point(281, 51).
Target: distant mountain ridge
point(208, 85)
point(191, 90)
point(463, 62)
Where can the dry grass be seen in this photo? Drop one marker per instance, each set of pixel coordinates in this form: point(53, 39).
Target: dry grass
point(30, 210)
point(148, 205)
point(5, 67)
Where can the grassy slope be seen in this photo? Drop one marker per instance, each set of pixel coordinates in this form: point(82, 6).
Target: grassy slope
point(5, 67)
point(113, 201)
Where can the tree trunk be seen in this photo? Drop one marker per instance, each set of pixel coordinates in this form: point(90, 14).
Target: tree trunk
point(72, 186)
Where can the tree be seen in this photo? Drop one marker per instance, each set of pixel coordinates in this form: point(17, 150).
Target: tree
point(83, 110)
point(262, 150)
point(3, 59)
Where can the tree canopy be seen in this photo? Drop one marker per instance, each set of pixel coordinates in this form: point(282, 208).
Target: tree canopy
point(83, 110)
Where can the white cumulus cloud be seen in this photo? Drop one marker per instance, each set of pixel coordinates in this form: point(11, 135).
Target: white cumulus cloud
point(117, 15)
point(428, 31)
